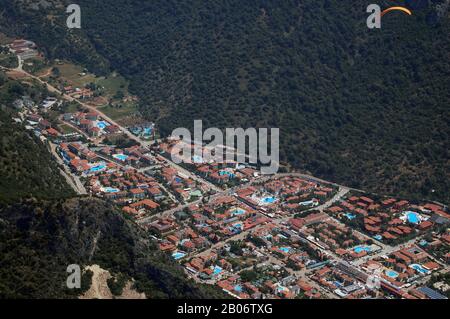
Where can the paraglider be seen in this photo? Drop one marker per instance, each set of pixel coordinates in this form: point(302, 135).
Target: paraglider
point(374, 20)
point(403, 9)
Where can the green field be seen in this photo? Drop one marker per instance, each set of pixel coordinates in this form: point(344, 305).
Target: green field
point(71, 73)
point(109, 87)
point(113, 84)
point(117, 113)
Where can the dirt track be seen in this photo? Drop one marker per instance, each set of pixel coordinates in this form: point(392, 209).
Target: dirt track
point(99, 287)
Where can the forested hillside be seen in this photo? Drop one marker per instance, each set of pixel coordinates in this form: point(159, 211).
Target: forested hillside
point(39, 239)
point(27, 168)
point(366, 108)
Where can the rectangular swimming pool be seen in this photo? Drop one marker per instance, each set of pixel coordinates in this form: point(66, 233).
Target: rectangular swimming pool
point(120, 157)
point(178, 255)
point(97, 168)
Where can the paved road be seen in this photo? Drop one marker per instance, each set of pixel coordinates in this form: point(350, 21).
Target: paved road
point(20, 64)
point(341, 193)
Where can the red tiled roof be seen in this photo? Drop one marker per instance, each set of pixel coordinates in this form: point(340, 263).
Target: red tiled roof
point(136, 191)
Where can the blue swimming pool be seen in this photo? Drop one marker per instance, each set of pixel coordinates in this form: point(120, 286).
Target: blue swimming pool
point(269, 200)
point(120, 157)
point(217, 270)
point(350, 216)
point(238, 288)
point(391, 273)
point(148, 131)
point(110, 190)
point(97, 168)
point(378, 237)
point(102, 124)
point(285, 249)
point(229, 174)
point(238, 212)
point(419, 268)
point(360, 249)
point(178, 255)
point(413, 217)
point(423, 242)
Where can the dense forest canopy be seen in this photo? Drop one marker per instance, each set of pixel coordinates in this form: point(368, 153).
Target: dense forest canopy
point(366, 108)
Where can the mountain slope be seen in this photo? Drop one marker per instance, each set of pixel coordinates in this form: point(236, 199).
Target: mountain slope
point(27, 168)
point(39, 239)
point(366, 108)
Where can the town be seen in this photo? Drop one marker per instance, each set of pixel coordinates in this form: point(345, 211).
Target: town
point(280, 236)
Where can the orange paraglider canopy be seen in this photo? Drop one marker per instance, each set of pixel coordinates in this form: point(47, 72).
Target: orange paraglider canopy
point(403, 9)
